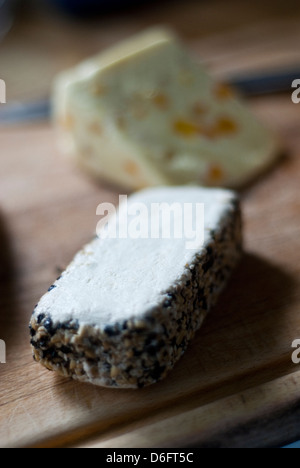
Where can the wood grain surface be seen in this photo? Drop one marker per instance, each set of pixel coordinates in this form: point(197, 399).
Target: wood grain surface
point(236, 386)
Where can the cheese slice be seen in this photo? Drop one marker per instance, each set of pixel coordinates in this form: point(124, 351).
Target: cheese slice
point(145, 114)
point(124, 311)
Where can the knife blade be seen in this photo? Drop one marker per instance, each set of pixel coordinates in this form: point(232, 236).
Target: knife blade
point(249, 86)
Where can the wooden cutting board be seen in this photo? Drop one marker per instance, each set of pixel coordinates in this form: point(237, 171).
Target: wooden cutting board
point(236, 386)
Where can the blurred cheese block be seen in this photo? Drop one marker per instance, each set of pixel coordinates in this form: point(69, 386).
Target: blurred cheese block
point(144, 114)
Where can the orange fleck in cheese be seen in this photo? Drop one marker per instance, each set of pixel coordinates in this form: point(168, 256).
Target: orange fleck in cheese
point(199, 109)
point(169, 155)
point(161, 101)
point(67, 122)
point(95, 128)
point(186, 129)
point(223, 91)
point(226, 126)
point(131, 168)
point(215, 174)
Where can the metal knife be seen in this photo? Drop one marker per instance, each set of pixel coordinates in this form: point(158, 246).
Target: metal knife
point(249, 86)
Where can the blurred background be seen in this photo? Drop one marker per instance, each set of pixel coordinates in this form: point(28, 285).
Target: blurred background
point(48, 211)
point(41, 37)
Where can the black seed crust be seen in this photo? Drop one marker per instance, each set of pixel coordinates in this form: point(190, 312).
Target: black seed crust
point(138, 352)
point(40, 318)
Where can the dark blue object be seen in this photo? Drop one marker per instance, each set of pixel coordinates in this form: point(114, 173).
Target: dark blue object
point(266, 83)
point(23, 112)
point(90, 7)
point(5, 17)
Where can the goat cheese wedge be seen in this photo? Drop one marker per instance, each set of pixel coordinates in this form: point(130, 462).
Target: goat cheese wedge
point(146, 114)
point(124, 311)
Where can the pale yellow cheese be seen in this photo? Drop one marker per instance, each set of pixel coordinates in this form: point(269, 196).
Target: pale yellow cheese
point(145, 113)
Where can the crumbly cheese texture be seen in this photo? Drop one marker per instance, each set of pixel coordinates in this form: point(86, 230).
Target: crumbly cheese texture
point(125, 309)
point(146, 114)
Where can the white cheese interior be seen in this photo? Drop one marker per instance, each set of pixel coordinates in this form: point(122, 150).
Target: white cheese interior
point(115, 279)
point(145, 113)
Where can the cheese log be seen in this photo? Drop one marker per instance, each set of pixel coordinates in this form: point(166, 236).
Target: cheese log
point(124, 311)
point(146, 114)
